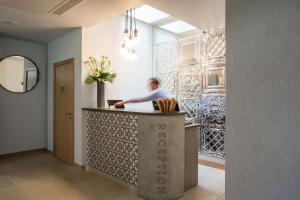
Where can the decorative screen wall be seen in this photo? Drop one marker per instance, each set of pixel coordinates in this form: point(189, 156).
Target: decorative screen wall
point(113, 134)
point(215, 48)
point(193, 71)
point(212, 121)
point(189, 88)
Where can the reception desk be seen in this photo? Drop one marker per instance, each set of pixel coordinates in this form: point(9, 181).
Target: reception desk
point(143, 148)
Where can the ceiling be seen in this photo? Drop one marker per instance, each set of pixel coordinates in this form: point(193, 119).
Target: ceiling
point(31, 20)
point(34, 22)
point(204, 14)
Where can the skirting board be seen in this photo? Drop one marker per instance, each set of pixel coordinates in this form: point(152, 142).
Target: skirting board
point(49, 151)
point(9, 155)
point(211, 164)
point(80, 168)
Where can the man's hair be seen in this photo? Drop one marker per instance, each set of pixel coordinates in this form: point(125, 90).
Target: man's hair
point(154, 80)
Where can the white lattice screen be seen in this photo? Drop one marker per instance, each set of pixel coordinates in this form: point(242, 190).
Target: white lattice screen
point(186, 81)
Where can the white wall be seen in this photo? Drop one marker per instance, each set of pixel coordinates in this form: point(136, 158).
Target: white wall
point(263, 100)
point(23, 116)
point(105, 39)
point(68, 46)
point(160, 36)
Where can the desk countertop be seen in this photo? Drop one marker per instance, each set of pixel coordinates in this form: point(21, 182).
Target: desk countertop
point(191, 125)
point(133, 111)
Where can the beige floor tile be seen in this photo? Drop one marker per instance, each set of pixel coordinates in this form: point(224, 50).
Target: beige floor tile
point(61, 194)
point(11, 193)
point(30, 177)
point(40, 176)
point(95, 187)
point(211, 179)
point(5, 181)
point(12, 166)
point(200, 193)
point(34, 192)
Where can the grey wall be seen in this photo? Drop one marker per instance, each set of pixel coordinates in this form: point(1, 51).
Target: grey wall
point(23, 116)
point(263, 100)
point(63, 48)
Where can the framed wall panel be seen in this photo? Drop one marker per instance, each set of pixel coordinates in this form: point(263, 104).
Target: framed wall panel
point(189, 50)
point(214, 80)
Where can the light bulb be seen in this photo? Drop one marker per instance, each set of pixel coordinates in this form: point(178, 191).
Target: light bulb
point(130, 42)
point(132, 55)
point(124, 51)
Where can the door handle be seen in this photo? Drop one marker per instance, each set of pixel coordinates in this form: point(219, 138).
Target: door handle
point(70, 114)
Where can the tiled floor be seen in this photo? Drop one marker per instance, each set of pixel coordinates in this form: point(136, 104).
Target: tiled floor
point(39, 176)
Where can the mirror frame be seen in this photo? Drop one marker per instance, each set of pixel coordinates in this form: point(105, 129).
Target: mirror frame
point(37, 78)
point(217, 88)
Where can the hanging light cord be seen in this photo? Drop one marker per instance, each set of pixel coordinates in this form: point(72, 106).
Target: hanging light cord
point(134, 19)
point(130, 22)
point(126, 20)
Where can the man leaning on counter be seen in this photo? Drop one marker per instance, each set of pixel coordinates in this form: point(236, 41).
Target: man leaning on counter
point(154, 94)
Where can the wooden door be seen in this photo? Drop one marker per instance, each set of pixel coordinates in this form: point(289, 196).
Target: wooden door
point(63, 140)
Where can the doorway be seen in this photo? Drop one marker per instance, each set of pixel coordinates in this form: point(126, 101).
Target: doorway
point(63, 137)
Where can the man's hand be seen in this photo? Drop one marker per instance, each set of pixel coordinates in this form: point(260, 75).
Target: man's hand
point(119, 104)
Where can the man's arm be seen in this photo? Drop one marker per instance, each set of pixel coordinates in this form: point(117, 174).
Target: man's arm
point(149, 97)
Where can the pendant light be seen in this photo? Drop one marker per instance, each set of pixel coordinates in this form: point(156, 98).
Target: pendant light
point(136, 34)
point(131, 36)
point(126, 32)
point(130, 42)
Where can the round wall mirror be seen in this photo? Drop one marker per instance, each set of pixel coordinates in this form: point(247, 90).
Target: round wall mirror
point(18, 74)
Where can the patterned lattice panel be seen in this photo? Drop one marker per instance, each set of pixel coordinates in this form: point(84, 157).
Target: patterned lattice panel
point(189, 81)
point(169, 83)
point(215, 48)
point(111, 144)
point(212, 120)
point(167, 56)
point(189, 88)
point(190, 106)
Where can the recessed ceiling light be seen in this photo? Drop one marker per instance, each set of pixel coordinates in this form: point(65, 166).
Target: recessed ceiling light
point(8, 22)
point(178, 27)
point(149, 14)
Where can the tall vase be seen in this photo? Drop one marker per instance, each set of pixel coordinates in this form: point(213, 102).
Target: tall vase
point(100, 95)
